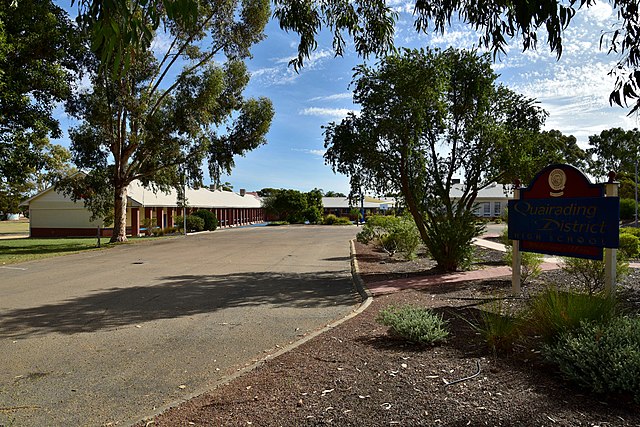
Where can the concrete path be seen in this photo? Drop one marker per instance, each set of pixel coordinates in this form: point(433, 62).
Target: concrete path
point(109, 337)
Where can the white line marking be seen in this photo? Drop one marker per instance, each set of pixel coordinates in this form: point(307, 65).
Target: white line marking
point(13, 268)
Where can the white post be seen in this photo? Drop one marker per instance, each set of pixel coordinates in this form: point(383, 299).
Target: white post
point(611, 190)
point(516, 290)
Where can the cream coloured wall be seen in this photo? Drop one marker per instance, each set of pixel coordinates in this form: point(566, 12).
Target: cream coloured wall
point(53, 210)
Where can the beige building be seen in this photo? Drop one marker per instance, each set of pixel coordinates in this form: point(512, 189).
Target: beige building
point(52, 214)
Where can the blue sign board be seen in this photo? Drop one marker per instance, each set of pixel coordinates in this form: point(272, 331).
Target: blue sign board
point(583, 221)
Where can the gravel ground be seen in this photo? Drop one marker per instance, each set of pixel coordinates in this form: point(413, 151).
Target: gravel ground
point(356, 375)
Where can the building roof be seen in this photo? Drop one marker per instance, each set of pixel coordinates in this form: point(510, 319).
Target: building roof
point(493, 191)
point(202, 198)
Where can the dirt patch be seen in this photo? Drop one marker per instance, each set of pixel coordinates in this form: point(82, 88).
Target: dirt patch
point(356, 375)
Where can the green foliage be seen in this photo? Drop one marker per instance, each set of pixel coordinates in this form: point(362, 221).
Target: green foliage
point(210, 220)
point(277, 223)
point(194, 223)
point(423, 111)
point(294, 206)
point(615, 150)
point(630, 230)
point(449, 240)
point(552, 312)
point(415, 324)
point(392, 234)
point(601, 357)
point(499, 327)
point(41, 50)
point(627, 209)
point(331, 219)
point(313, 214)
point(589, 274)
point(629, 245)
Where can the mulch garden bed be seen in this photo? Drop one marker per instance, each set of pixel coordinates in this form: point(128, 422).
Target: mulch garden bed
point(356, 375)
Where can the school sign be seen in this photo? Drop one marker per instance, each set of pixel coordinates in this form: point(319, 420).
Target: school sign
point(562, 213)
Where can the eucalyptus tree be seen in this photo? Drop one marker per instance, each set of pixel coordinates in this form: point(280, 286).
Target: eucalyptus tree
point(370, 24)
point(426, 117)
point(41, 54)
point(615, 150)
point(165, 111)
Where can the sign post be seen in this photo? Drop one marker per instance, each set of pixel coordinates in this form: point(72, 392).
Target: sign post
point(516, 260)
point(562, 213)
point(610, 260)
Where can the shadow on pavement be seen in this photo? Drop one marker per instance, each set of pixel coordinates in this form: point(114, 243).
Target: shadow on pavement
point(179, 296)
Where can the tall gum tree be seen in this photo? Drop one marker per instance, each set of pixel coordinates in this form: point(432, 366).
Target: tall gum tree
point(426, 117)
point(139, 123)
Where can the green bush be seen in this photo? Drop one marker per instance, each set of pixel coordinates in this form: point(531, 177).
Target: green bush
point(604, 358)
point(553, 312)
point(392, 234)
point(313, 214)
point(415, 324)
point(629, 245)
point(194, 223)
point(627, 208)
point(499, 328)
point(630, 230)
point(449, 240)
point(589, 274)
point(277, 223)
point(210, 220)
point(331, 219)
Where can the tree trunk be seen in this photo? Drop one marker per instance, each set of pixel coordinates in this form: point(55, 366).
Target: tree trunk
point(120, 214)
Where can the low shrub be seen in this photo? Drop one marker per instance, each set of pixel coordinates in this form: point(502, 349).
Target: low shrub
point(630, 230)
point(629, 245)
point(331, 219)
point(552, 312)
point(277, 223)
point(530, 264)
point(194, 223)
point(589, 274)
point(210, 220)
point(415, 324)
point(392, 234)
point(604, 358)
point(627, 209)
point(499, 327)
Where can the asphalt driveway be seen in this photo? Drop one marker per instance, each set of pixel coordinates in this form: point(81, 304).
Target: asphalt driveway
point(108, 337)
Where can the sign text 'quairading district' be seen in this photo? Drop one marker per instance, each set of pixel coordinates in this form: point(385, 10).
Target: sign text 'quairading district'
point(581, 221)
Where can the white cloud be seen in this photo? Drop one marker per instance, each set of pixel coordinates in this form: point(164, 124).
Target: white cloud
point(334, 97)
point(336, 113)
point(315, 153)
point(600, 12)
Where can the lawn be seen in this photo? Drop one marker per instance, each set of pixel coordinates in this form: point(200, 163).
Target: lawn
point(14, 227)
point(20, 250)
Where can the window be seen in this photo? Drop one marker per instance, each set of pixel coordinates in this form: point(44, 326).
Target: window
point(487, 209)
point(496, 209)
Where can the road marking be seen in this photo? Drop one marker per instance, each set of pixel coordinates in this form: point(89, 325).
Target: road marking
point(13, 268)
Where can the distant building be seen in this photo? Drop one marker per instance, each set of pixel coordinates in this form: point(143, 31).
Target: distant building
point(52, 214)
point(491, 201)
point(342, 206)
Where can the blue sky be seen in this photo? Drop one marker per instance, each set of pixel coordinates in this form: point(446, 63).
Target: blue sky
point(574, 91)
